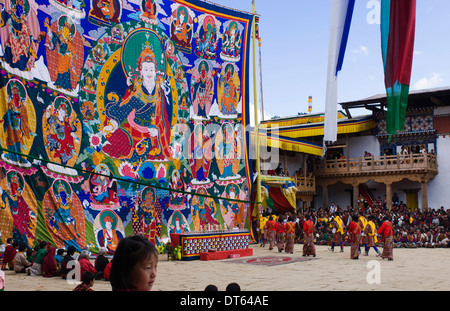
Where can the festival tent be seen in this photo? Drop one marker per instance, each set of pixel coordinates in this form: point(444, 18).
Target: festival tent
point(280, 194)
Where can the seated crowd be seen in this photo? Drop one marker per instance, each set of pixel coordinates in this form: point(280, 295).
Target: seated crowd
point(47, 261)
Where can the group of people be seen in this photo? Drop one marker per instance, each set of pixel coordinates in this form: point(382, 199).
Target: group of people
point(48, 261)
point(362, 232)
point(429, 228)
point(231, 287)
point(282, 231)
point(279, 171)
point(361, 229)
point(133, 266)
point(357, 229)
point(414, 149)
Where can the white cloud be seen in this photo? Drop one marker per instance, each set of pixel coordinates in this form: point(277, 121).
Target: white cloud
point(355, 53)
point(427, 83)
point(267, 116)
point(364, 50)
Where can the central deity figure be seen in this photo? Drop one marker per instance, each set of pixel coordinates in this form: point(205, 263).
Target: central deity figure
point(135, 127)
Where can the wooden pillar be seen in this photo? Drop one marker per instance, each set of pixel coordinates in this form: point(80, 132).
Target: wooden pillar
point(355, 196)
point(325, 197)
point(424, 195)
point(304, 165)
point(389, 196)
point(285, 164)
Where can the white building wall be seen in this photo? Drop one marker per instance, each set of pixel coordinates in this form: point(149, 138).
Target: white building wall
point(293, 163)
point(357, 146)
point(439, 187)
point(340, 194)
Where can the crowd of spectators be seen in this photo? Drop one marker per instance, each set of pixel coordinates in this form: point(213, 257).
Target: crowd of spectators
point(429, 228)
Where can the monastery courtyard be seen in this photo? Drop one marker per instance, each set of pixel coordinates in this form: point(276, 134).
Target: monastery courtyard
point(419, 269)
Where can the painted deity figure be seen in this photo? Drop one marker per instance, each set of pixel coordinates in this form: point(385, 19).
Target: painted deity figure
point(184, 108)
point(229, 91)
point(177, 227)
point(103, 188)
point(232, 211)
point(200, 154)
point(23, 216)
point(149, 10)
point(117, 34)
point(228, 151)
point(98, 54)
point(231, 42)
point(170, 51)
point(137, 126)
point(105, 12)
point(109, 237)
point(60, 139)
point(203, 210)
point(21, 44)
point(16, 123)
point(151, 212)
point(89, 83)
point(177, 183)
point(202, 90)
point(206, 38)
point(62, 41)
point(64, 215)
point(181, 29)
point(88, 110)
point(177, 223)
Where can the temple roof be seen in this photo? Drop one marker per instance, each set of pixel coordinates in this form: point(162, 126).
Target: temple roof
point(426, 98)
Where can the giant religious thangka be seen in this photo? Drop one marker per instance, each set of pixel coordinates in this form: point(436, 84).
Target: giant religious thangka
point(122, 117)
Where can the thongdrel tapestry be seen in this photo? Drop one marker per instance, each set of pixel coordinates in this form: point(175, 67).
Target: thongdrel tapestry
point(122, 117)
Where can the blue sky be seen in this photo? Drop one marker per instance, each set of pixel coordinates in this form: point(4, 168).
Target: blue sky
point(295, 36)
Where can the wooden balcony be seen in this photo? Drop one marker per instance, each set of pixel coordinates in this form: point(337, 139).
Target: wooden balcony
point(305, 184)
point(381, 165)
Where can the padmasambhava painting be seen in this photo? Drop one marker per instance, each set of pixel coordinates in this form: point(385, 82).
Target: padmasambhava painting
point(120, 118)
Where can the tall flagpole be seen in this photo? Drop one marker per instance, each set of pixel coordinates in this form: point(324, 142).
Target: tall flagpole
point(255, 102)
point(260, 79)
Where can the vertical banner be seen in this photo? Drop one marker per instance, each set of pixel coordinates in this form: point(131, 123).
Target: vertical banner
point(340, 22)
point(122, 117)
point(398, 21)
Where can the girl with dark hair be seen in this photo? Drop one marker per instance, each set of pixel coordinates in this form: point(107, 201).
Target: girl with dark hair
point(134, 266)
point(87, 281)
